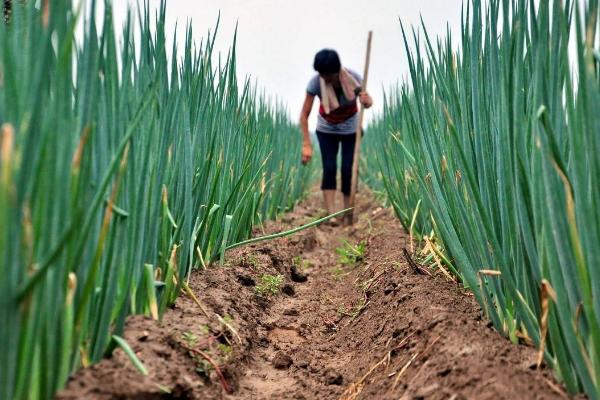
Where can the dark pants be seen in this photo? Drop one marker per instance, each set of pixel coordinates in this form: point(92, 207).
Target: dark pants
point(330, 144)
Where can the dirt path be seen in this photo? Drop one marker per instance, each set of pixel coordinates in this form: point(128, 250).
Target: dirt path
point(375, 330)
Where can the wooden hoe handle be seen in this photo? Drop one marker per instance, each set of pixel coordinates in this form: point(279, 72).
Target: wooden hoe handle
point(355, 162)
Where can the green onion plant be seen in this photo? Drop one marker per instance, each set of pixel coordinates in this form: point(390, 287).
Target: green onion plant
point(119, 167)
point(499, 143)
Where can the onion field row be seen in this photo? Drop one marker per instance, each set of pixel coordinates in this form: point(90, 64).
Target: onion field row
point(491, 153)
point(121, 170)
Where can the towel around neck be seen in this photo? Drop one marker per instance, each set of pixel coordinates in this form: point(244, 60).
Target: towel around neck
point(329, 99)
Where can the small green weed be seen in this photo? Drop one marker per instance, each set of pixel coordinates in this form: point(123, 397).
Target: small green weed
point(248, 261)
point(228, 319)
point(190, 339)
point(204, 329)
point(225, 350)
point(354, 311)
point(269, 285)
point(350, 254)
point(300, 263)
point(203, 367)
point(338, 272)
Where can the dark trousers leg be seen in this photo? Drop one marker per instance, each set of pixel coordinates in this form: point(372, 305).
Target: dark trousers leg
point(329, 144)
point(347, 159)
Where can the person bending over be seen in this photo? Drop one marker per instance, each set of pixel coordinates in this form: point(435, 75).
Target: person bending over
point(338, 89)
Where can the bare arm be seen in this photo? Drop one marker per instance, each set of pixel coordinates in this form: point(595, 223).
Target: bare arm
point(306, 109)
point(307, 146)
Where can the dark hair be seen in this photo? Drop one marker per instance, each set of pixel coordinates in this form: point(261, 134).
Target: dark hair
point(327, 61)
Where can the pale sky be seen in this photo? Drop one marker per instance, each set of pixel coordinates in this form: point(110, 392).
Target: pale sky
point(277, 39)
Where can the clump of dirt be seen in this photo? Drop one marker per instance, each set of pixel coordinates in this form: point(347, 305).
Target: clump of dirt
point(288, 320)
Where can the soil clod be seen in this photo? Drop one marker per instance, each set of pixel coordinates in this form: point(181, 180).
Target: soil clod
point(297, 276)
point(334, 378)
point(293, 312)
point(281, 360)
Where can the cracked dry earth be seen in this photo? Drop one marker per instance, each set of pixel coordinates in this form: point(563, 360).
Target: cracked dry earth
point(374, 330)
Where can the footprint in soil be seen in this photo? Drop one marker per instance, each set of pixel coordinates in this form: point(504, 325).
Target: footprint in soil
point(288, 290)
point(245, 280)
point(287, 336)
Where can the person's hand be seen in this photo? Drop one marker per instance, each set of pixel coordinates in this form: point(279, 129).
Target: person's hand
point(365, 99)
point(307, 153)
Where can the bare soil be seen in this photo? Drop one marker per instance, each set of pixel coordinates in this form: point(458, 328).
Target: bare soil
point(373, 330)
